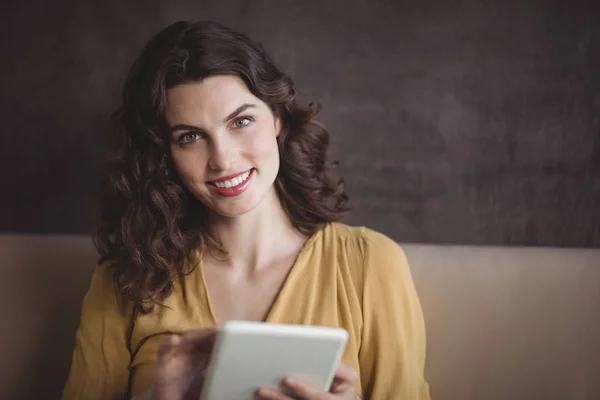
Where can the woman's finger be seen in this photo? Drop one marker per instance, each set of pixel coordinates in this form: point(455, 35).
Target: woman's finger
point(197, 347)
point(169, 365)
point(168, 370)
point(345, 373)
point(167, 347)
point(200, 335)
point(303, 390)
point(182, 360)
point(202, 355)
point(266, 393)
point(201, 340)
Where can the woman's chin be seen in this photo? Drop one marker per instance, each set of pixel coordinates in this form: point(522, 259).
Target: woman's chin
point(233, 211)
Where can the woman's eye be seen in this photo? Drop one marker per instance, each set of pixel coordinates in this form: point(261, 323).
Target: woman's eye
point(242, 122)
point(190, 137)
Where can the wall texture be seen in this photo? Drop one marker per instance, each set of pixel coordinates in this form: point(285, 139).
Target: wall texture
point(461, 121)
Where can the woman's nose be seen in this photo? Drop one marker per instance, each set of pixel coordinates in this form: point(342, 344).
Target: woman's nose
point(221, 155)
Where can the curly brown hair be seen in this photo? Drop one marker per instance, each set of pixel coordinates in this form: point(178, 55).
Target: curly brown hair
point(149, 224)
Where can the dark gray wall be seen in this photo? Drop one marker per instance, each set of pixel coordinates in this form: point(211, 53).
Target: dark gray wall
point(455, 121)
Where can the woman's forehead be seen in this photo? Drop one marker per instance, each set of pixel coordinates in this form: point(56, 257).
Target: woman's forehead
point(210, 100)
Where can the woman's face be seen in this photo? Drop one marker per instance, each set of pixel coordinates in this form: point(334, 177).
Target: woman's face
point(223, 143)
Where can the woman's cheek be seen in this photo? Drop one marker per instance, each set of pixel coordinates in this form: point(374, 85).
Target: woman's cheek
point(262, 144)
point(188, 167)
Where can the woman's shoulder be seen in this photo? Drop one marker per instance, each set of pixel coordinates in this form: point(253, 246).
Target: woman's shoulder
point(102, 295)
point(359, 238)
point(370, 257)
point(362, 248)
point(101, 281)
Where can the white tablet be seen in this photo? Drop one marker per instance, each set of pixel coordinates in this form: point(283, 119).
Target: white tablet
point(250, 355)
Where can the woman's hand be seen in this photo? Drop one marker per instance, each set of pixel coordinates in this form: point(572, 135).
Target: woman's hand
point(342, 388)
point(182, 362)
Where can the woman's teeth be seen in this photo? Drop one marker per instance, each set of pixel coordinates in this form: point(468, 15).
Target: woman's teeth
point(233, 182)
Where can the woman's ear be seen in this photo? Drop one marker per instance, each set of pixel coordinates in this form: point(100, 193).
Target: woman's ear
point(277, 126)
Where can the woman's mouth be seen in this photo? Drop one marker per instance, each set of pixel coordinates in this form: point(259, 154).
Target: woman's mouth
point(232, 185)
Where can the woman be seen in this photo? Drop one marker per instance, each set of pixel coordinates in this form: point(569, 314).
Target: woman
point(220, 204)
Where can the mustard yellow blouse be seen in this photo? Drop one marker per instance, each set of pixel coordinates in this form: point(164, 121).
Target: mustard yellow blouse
point(347, 277)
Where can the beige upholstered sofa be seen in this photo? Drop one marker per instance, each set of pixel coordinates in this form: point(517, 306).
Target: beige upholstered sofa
point(503, 323)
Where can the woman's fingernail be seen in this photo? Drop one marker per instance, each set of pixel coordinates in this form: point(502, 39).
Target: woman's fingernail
point(264, 393)
point(290, 380)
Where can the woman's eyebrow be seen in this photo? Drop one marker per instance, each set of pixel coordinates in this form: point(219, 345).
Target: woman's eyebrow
point(183, 127)
point(235, 113)
point(238, 111)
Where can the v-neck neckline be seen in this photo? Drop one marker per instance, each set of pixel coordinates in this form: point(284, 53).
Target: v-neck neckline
point(285, 287)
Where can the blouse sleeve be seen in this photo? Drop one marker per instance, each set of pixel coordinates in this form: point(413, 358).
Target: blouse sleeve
point(99, 367)
point(392, 353)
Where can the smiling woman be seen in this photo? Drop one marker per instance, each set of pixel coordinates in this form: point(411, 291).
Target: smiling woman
point(220, 204)
point(212, 148)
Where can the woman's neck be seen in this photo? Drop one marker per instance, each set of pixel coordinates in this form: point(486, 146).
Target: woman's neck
point(257, 238)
